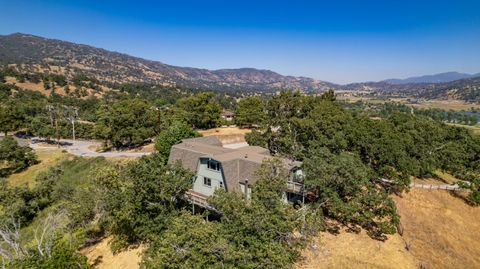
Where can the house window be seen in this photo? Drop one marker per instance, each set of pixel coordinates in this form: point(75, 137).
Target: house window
point(213, 165)
point(207, 181)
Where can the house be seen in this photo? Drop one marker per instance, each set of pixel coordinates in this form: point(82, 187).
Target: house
point(230, 169)
point(227, 115)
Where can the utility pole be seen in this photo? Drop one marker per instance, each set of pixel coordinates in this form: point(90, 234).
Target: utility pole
point(54, 121)
point(71, 113)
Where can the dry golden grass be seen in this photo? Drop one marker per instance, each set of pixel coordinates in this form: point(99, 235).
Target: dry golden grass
point(435, 180)
point(227, 135)
point(145, 148)
point(102, 257)
point(440, 229)
point(27, 85)
point(446, 105)
point(446, 177)
point(351, 250)
point(48, 157)
point(354, 99)
point(441, 104)
point(59, 90)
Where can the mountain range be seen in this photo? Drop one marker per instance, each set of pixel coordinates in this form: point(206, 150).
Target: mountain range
point(35, 52)
point(436, 78)
point(38, 54)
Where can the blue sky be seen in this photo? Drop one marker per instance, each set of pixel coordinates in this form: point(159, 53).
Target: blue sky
point(338, 41)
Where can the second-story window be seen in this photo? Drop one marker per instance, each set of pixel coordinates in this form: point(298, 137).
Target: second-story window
point(207, 181)
point(213, 165)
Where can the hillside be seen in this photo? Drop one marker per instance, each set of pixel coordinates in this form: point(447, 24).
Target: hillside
point(38, 54)
point(437, 229)
point(436, 78)
point(439, 232)
point(28, 53)
point(467, 89)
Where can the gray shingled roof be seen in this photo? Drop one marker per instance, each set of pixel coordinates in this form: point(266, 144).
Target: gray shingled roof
point(238, 164)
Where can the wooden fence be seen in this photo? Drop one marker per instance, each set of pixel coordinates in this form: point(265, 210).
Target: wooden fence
point(448, 187)
point(454, 187)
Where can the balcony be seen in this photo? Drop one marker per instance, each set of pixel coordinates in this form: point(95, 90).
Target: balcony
point(294, 187)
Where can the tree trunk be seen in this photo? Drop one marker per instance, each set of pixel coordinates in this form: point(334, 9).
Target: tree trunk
point(57, 133)
point(73, 129)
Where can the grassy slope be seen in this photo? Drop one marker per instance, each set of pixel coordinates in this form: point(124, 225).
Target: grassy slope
point(350, 250)
point(47, 157)
point(75, 177)
point(440, 230)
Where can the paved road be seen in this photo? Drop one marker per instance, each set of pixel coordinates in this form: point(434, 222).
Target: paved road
point(82, 148)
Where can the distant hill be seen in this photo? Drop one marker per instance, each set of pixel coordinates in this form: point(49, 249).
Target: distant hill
point(40, 54)
point(436, 78)
point(467, 89)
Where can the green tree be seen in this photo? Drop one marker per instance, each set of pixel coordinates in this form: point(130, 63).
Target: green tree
point(341, 184)
point(11, 116)
point(261, 229)
point(328, 95)
point(171, 136)
point(125, 123)
point(42, 127)
point(190, 242)
point(201, 110)
point(62, 256)
point(145, 197)
point(13, 157)
point(250, 112)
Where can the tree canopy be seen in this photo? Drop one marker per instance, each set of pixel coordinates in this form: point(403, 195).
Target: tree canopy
point(171, 136)
point(250, 112)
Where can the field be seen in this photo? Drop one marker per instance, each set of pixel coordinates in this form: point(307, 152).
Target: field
point(440, 231)
point(228, 135)
point(424, 104)
point(47, 157)
point(445, 105)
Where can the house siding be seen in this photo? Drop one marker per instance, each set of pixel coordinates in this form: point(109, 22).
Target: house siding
point(203, 171)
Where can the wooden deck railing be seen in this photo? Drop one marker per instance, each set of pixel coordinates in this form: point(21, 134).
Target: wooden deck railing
point(198, 199)
point(294, 187)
